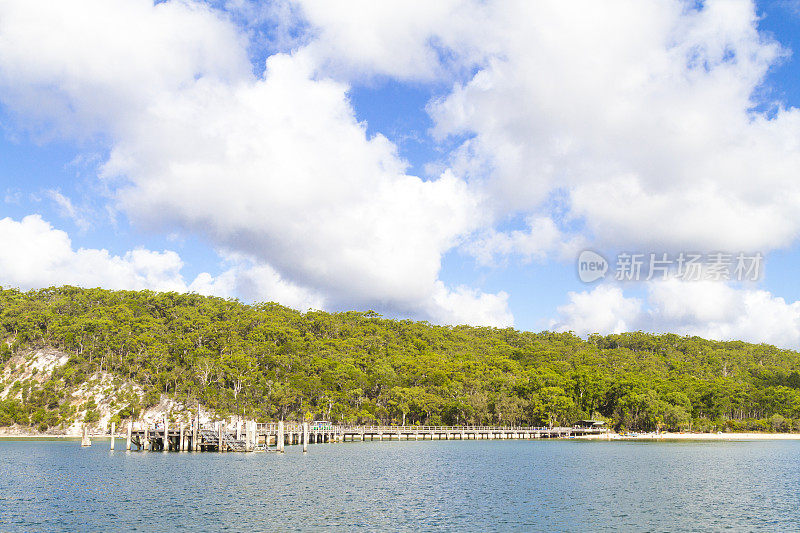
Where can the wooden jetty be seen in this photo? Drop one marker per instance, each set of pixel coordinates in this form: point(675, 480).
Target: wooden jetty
point(249, 436)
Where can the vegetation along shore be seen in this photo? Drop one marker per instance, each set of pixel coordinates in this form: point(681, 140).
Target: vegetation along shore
point(72, 356)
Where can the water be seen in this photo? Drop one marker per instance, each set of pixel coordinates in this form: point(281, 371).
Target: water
point(372, 486)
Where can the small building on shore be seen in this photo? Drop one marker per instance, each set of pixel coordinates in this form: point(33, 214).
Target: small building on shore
point(593, 424)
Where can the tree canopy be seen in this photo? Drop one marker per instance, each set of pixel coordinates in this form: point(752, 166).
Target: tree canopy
point(269, 362)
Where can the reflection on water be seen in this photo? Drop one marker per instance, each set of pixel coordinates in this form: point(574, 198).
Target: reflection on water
point(473, 485)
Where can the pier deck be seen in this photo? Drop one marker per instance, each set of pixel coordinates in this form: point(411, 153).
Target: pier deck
point(251, 436)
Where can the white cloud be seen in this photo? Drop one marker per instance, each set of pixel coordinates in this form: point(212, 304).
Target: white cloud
point(33, 254)
point(405, 39)
point(539, 241)
point(636, 116)
point(280, 169)
point(12, 196)
point(275, 168)
point(67, 208)
point(639, 113)
point(642, 113)
point(73, 65)
point(255, 282)
point(469, 306)
point(708, 309)
point(604, 309)
point(719, 311)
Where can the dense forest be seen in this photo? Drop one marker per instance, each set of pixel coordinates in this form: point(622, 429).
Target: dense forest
point(270, 362)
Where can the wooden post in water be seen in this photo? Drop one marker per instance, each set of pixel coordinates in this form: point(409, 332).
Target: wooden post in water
point(113, 429)
point(181, 441)
point(305, 437)
point(280, 436)
point(85, 439)
point(166, 433)
point(220, 435)
point(238, 430)
point(128, 436)
point(196, 433)
point(146, 437)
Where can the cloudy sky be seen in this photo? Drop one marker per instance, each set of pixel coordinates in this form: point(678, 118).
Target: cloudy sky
point(445, 161)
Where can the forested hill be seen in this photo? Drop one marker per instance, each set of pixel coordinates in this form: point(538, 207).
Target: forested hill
point(269, 362)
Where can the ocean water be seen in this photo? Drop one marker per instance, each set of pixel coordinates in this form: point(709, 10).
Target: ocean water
point(382, 486)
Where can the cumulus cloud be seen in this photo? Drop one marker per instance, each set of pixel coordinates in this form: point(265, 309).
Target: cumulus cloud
point(34, 254)
point(541, 240)
point(273, 167)
point(469, 306)
point(639, 125)
point(644, 114)
point(399, 38)
point(246, 279)
point(705, 308)
point(641, 115)
point(280, 169)
point(67, 67)
point(619, 124)
point(604, 309)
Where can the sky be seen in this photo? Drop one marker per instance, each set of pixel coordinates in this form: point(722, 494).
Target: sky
point(445, 161)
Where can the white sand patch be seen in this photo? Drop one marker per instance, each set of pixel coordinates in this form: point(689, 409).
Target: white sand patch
point(38, 364)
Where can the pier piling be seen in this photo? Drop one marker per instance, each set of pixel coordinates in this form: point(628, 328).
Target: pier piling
point(113, 429)
point(252, 434)
point(166, 434)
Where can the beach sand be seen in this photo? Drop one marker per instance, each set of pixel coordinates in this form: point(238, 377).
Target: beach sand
point(696, 436)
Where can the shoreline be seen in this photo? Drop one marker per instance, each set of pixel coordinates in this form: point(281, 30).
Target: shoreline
point(694, 436)
point(608, 437)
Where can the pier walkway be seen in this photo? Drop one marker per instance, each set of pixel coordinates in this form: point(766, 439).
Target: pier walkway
point(250, 436)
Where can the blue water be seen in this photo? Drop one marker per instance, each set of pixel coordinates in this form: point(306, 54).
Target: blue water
point(378, 486)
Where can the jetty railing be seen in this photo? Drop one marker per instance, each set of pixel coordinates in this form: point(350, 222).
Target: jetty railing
point(252, 436)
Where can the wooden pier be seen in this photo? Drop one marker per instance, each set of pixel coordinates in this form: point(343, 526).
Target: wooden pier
point(250, 436)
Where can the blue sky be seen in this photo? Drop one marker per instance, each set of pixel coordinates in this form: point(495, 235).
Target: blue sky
point(405, 159)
